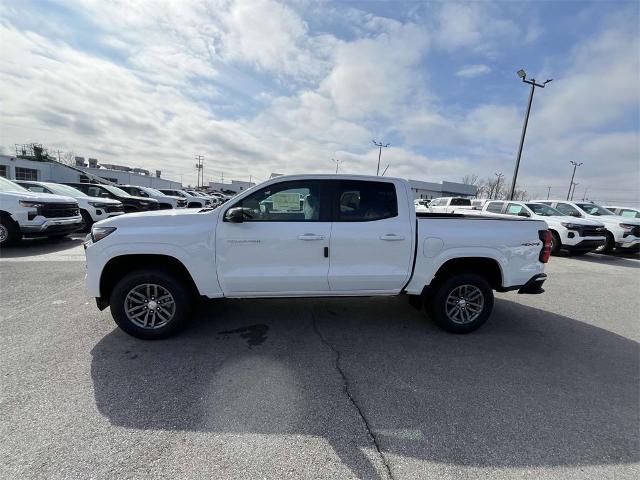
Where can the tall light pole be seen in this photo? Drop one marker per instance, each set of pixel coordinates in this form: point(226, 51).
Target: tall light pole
point(574, 190)
point(380, 145)
point(523, 75)
point(338, 162)
point(499, 175)
point(584, 195)
point(199, 167)
point(575, 165)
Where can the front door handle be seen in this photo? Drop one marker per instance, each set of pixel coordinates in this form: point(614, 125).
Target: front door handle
point(310, 236)
point(391, 237)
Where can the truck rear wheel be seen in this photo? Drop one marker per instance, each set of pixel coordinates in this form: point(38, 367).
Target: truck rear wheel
point(150, 304)
point(461, 303)
point(9, 232)
point(608, 246)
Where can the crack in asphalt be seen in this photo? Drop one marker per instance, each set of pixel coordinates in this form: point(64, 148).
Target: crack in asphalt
point(347, 391)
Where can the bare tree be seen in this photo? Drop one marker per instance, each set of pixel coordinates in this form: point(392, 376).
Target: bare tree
point(68, 158)
point(471, 179)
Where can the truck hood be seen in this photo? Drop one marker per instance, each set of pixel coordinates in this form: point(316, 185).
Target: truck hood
point(577, 221)
point(110, 201)
point(169, 218)
point(614, 219)
point(40, 197)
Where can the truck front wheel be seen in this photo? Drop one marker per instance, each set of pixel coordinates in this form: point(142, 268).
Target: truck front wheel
point(461, 303)
point(9, 232)
point(150, 304)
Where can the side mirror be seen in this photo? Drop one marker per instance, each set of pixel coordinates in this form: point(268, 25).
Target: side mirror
point(576, 214)
point(522, 213)
point(234, 215)
point(104, 195)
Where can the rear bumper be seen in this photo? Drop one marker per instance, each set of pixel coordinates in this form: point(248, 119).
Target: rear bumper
point(534, 285)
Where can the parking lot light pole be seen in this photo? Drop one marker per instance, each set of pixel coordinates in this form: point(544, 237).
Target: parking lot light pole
point(380, 145)
point(574, 190)
point(523, 75)
point(575, 165)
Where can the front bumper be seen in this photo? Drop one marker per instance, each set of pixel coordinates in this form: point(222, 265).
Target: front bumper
point(534, 285)
point(54, 226)
point(586, 245)
point(631, 242)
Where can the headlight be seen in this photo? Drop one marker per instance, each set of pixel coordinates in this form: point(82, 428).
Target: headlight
point(98, 233)
point(98, 204)
point(572, 226)
point(627, 227)
point(25, 203)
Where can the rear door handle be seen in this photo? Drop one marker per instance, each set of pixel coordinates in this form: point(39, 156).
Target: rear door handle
point(310, 236)
point(391, 237)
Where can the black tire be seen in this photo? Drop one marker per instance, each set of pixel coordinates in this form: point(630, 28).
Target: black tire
point(87, 221)
point(608, 246)
point(437, 302)
point(180, 292)
point(556, 244)
point(9, 232)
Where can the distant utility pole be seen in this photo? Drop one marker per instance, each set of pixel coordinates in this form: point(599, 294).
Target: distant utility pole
point(199, 167)
point(380, 145)
point(584, 195)
point(548, 192)
point(523, 75)
point(499, 175)
point(338, 162)
point(575, 165)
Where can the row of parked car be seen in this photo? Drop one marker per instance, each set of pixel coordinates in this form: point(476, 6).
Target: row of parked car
point(47, 209)
point(576, 227)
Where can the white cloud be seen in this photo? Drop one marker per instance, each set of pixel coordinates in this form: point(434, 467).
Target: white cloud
point(376, 76)
point(470, 71)
point(477, 26)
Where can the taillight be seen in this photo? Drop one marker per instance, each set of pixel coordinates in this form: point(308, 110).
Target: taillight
point(545, 252)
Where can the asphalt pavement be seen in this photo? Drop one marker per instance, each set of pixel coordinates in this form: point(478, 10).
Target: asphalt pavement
point(320, 388)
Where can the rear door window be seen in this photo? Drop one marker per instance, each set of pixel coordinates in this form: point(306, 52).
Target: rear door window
point(364, 201)
point(495, 207)
point(514, 209)
point(460, 202)
point(567, 209)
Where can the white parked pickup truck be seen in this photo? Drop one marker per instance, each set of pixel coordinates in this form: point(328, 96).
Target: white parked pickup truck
point(28, 214)
point(623, 233)
point(575, 235)
point(311, 236)
point(448, 204)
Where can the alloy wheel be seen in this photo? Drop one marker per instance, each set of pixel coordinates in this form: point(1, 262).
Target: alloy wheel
point(464, 304)
point(149, 306)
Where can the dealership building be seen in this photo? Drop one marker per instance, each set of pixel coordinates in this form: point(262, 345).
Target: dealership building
point(38, 166)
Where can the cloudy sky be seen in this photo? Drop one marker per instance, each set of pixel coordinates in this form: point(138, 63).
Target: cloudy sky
point(260, 86)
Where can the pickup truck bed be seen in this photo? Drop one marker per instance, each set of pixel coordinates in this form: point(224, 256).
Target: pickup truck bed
point(311, 236)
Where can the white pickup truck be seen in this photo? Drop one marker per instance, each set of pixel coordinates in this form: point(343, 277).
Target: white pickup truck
point(575, 235)
point(28, 214)
point(449, 204)
point(311, 236)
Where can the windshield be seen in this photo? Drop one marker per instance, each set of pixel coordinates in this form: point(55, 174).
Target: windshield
point(593, 209)
point(544, 210)
point(9, 186)
point(65, 190)
point(116, 191)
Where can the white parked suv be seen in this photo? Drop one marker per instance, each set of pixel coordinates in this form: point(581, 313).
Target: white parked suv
point(27, 214)
point(165, 201)
point(311, 236)
point(575, 235)
point(193, 201)
point(623, 233)
point(92, 209)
